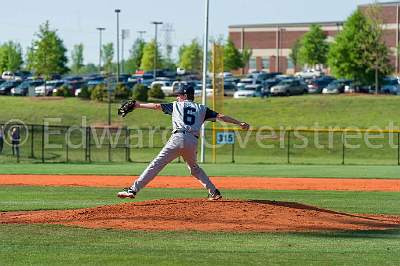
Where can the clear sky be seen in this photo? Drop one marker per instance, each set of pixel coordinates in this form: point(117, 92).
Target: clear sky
point(77, 20)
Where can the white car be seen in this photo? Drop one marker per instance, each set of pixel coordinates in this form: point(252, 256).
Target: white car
point(309, 73)
point(248, 91)
point(8, 75)
point(166, 86)
point(199, 92)
point(48, 89)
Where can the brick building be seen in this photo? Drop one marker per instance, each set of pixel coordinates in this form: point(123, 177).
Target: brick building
point(271, 43)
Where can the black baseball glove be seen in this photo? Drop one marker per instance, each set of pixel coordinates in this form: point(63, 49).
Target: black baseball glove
point(126, 108)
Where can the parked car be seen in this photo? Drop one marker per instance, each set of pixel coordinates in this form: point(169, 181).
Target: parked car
point(253, 90)
point(23, 88)
point(391, 86)
point(249, 81)
point(8, 75)
point(22, 74)
point(229, 88)
point(317, 85)
point(269, 83)
point(5, 88)
point(166, 86)
point(49, 88)
point(2, 81)
point(310, 73)
point(289, 87)
point(359, 88)
point(336, 86)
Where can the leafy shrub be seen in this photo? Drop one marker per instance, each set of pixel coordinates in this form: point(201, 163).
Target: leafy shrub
point(156, 92)
point(63, 91)
point(122, 92)
point(140, 93)
point(99, 93)
point(84, 93)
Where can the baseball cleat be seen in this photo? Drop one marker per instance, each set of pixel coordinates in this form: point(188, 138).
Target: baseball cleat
point(215, 196)
point(127, 193)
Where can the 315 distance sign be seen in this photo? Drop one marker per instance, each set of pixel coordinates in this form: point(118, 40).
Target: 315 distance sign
point(225, 138)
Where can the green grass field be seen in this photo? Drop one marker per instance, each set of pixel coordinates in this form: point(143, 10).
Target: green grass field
point(339, 110)
point(313, 111)
point(60, 245)
point(180, 169)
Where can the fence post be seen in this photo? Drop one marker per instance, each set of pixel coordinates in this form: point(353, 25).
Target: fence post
point(233, 152)
point(89, 144)
point(343, 147)
point(66, 138)
point(17, 151)
point(109, 144)
point(86, 141)
point(127, 143)
point(398, 148)
point(43, 143)
point(32, 139)
point(288, 149)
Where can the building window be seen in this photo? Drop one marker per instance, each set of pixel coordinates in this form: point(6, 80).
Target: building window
point(265, 63)
point(290, 63)
point(253, 63)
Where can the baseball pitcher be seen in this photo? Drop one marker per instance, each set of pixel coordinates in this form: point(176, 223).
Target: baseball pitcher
point(187, 119)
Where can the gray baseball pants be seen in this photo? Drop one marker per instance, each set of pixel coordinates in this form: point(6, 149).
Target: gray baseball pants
point(179, 144)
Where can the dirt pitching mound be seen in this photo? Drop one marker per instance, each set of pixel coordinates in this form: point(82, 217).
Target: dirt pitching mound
point(203, 215)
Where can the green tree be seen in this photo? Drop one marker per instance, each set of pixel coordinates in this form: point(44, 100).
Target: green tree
point(108, 56)
point(140, 93)
point(10, 56)
point(314, 49)
point(149, 51)
point(77, 58)
point(89, 69)
point(135, 56)
point(48, 54)
point(294, 54)
point(356, 51)
point(191, 57)
point(232, 57)
point(246, 55)
point(376, 53)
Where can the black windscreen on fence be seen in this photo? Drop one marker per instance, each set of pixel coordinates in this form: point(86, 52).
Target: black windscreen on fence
point(49, 144)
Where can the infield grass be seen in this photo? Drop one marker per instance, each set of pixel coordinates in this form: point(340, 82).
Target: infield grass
point(176, 169)
point(14, 198)
point(60, 245)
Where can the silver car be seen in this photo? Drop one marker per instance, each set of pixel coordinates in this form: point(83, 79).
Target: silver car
point(289, 87)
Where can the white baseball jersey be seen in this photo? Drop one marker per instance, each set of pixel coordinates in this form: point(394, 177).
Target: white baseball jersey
point(188, 116)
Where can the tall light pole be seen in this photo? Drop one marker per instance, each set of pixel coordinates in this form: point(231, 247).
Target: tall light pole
point(100, 29)
point(141, 33)
point(118, 70)
point(156, 23)
point(125, 35)
point(204, 96)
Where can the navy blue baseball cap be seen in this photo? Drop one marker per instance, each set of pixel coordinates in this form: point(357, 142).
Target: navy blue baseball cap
point(184, 89)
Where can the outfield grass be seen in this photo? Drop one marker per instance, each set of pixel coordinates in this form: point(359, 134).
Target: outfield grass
point(60, 245)
point(180, 169)
point(313, 111)
point(336, 110)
